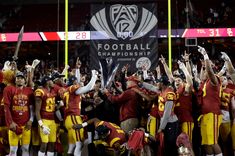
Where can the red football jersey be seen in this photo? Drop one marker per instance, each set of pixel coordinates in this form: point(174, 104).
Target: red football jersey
point(211, 98)
point(183, 107)
point(128, 101)
point(48, 102)
point(72, 101)
point(226, 96)
point(18, 101)
point(116, 133)
point(154, 111)
point(167, 94)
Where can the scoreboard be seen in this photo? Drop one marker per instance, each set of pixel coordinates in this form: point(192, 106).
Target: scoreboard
point(94, 35)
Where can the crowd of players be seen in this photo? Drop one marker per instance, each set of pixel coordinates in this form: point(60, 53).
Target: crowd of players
point(184, 112)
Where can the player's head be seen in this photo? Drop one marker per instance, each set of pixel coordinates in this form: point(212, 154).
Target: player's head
point(224, 81)
point(72, 80)
point(47, 81)
point(57, 78)
point(103, 131)
point(164, 81)
point(20, 79)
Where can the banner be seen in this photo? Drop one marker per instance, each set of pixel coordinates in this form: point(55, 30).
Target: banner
point(132, 33)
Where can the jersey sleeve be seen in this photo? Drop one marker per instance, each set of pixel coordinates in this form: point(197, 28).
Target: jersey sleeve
point(170, 96)
point(39, 93)
point(7, 98)
point(73, 88)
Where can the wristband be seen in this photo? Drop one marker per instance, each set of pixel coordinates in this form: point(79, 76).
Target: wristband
point(84, 124)
point(206, 57)
point(40, 123)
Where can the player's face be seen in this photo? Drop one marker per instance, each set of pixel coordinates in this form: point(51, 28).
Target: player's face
point(178, 82)
point(224, 81)
point(75, 82)
point(97, 86)
point(20, 81)
point(50, 83)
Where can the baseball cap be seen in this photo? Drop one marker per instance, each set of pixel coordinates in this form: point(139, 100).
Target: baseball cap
point(56, 75)
point(71, 79)
point(102, 130)
point(20, 74)
point(45, 79)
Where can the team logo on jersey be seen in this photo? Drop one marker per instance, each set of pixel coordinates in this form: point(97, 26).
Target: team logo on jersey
point(127, 22)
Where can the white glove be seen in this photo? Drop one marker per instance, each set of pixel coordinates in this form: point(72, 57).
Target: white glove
point(28, 68)
point(203, 52)
point(225, 57)
point(7, 66)
point(181, 65)
point(61, 103)
point(35, 63)
point(45, 130)
point(94, 72)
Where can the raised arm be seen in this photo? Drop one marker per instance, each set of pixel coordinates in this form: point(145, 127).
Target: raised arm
point(189, 81)
point(167, 70)
point(90, 85)
point(208, 66)
point(222, 71)
point(158, 72)
point(229, 66)
point(77, 69)
point(150, 87)
point(187, 63)
point(195, 73)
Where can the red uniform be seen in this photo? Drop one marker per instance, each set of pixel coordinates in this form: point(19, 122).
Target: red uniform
point(116, 133)
point(167, 94)
point(183, 107)
point(210, 108)
point(128, 101)
point(211, 98)
point(48, 102)
point(154, 111)
point(72, 101)
point(17, 101)
point(226, 96)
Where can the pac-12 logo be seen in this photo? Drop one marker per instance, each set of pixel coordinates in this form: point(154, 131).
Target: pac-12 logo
point(124, 19)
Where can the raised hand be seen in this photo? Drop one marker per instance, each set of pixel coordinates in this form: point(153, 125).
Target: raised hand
point(94, 72)
point(185, 56)
point(78, 63)
point(7, 66)
point(35, 63)
point(202, 50)
point(28, 67)
point(181, 65)
point(162, 59)
point(225, 57)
